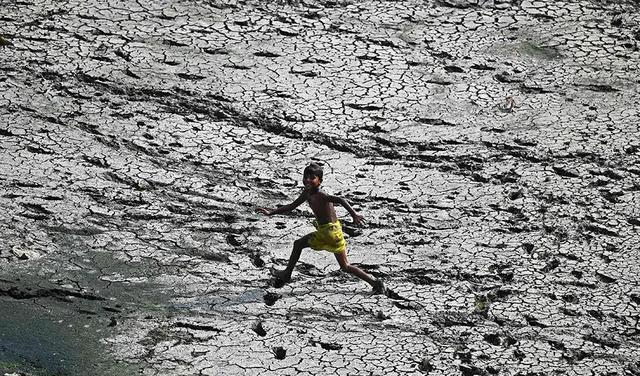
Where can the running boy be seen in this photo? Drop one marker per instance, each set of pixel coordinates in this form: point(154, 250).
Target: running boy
point(328, 235)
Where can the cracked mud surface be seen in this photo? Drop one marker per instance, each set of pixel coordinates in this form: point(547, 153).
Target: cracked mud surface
point(493, 147)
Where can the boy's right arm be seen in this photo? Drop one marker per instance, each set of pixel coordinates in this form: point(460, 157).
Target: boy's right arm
point(285, 208)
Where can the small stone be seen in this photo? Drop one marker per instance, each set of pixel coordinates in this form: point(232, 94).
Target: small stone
point(257, 327)
point(471, 370)
point(453, 69)
point(5, 42)
point(528, 247)
point(279, 352)
point(605, 278)
point(493, 339)
point(408, 305)
point(24, 255)
point(481, 305)
point(287, 32)
point(425, 366)
point(257, 261)
point(233, 240)
point(514, 195)
point(563, 171)
point(242, 21)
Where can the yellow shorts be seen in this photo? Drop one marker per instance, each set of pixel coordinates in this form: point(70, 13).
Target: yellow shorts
point(328, 237)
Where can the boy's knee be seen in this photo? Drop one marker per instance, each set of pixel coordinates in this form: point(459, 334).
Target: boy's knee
point(346, 268)
point(299, 243)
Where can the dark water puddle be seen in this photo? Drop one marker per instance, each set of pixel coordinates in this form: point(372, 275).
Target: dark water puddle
point(52, 341)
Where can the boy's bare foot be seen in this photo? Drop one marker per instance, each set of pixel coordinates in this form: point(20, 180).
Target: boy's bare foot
point(281, 275)
point(378, 287)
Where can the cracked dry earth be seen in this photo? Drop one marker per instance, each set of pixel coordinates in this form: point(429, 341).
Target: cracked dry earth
point(493, 147)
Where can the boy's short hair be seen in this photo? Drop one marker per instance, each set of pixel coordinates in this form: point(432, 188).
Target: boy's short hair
point(313, 169)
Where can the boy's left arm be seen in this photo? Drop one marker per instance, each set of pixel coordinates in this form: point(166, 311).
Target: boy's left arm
point(357, 219)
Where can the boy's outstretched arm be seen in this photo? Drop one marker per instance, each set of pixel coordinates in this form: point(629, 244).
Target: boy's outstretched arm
point(357, 219)
point(284, 208)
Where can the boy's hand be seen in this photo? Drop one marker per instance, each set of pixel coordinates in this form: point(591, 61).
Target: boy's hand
point(358, 220)
point(264, 211)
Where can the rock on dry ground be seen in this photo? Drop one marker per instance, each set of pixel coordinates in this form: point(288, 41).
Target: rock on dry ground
point(493, 147)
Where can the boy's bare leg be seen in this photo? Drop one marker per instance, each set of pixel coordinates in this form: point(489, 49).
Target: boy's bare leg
point(345, 266)
point(298, 246)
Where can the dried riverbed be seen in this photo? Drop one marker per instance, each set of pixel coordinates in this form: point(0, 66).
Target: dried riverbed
point(492, 145)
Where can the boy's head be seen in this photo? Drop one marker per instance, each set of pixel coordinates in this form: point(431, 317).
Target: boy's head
point(313, 169)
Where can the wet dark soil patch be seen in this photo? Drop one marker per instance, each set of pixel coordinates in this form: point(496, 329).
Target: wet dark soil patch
point(47, 341)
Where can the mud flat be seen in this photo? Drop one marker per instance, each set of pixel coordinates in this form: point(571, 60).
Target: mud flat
point(492, 145)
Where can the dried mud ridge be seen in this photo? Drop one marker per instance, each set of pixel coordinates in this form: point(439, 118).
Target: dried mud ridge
point(492, 145)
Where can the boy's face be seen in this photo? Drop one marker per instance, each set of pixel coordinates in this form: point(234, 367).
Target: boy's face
point(311, 181)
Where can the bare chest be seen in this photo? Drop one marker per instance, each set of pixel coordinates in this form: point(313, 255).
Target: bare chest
point(315, 201)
